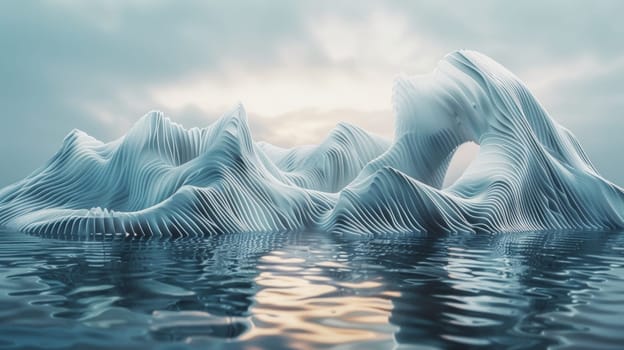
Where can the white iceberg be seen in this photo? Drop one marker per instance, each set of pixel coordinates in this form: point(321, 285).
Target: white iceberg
point(160, 179)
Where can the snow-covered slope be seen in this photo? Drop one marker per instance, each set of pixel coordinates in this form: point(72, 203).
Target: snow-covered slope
point(161, 179)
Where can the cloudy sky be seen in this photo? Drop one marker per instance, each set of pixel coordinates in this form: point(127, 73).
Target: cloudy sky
point(299, 67)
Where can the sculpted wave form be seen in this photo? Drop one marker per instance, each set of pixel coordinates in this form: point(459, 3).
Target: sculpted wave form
point(162, 179)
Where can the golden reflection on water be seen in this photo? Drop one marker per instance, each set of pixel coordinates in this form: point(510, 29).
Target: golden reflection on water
point(302, 295)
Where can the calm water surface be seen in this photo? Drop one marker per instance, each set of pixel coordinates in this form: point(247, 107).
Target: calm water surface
point(310, 290)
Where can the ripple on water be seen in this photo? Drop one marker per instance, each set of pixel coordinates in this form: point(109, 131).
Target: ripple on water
point(311, 290)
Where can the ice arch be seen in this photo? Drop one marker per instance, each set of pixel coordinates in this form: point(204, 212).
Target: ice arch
point(465, 154)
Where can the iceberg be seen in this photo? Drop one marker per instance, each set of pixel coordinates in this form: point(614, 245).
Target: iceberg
point(160, 179)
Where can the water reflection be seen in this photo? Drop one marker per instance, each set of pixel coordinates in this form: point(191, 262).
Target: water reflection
point(311, 290)
point(311, 293)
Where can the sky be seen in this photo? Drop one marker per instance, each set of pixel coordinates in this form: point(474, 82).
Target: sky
point(299, 67)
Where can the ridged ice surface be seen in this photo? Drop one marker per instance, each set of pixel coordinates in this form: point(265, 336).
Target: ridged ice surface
point(161, 179)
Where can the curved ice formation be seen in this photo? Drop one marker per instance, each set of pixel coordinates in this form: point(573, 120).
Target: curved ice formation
point(161, 179)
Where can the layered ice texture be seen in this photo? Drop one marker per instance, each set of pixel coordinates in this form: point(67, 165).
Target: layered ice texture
point(161, 179)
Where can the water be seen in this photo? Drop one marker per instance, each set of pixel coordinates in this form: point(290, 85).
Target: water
point(312, 290)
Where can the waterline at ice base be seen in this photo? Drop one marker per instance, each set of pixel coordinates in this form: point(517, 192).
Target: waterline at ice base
point(531, 174)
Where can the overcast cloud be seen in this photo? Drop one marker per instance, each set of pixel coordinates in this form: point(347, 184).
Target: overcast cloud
point(299, 67)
